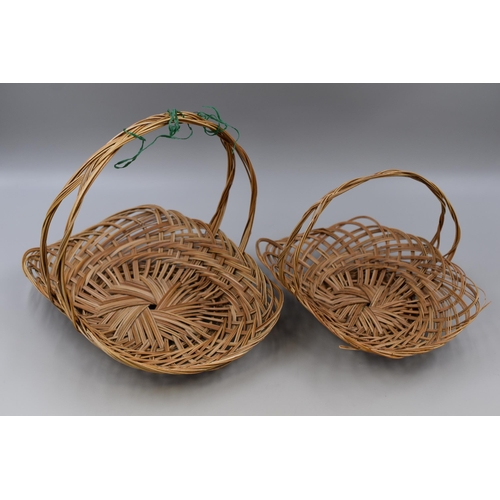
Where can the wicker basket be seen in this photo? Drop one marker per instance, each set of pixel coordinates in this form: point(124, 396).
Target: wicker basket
point(152, 288)
point(379, 289)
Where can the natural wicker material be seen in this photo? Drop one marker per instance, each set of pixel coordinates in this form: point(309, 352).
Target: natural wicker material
point(152, 288)
point(379, 289)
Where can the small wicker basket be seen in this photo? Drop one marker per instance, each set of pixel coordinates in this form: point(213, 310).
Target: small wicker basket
point(379, 289)
point(152, 288)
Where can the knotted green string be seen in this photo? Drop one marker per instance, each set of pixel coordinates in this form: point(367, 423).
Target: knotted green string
point(221, 124)
point(174, 127)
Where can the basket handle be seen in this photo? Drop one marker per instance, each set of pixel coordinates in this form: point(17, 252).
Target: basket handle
point(85, 176)
point(318, 208)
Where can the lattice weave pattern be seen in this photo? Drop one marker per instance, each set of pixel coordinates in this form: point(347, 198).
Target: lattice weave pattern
point(160, 291)
point(379, 289)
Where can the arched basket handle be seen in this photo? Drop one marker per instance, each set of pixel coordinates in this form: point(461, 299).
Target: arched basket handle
point(90, 170)
point(315, 211)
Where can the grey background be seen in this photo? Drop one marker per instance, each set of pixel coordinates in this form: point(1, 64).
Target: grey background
point(303, 140)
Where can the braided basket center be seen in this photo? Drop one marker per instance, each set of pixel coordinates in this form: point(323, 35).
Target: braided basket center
point(371, 302)
point(172, 309)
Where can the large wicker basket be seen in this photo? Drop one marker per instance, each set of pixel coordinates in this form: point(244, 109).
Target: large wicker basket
point(152, 288)
point(379, 289)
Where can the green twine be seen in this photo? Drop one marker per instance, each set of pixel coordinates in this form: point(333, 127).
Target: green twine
point(221, 124)
point(174, 127)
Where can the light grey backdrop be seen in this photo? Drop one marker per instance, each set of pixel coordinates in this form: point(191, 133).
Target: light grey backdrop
point(303, 141)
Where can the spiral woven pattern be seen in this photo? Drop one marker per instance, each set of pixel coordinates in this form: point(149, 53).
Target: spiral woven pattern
point(159, 291)
point(378, 289)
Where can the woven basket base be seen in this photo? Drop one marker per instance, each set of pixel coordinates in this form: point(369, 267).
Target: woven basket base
point(158, 291)
point(378, 289)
